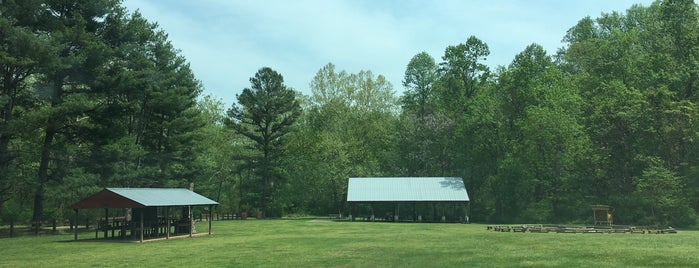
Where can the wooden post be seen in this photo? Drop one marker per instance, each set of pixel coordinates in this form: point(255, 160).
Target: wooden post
point(466, 219)
point(414, 212)
point(189, 208)
point(167, 222)
point(351, 208)
point(211, 217)
point(75, 230)
point(191, 220)
point(141, 231)
point(442, 206)
point(12, 228)
point(123, 224)
point(106, 222)
point(397, 217)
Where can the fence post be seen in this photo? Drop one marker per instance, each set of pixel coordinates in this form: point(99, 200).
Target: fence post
point(12, 228)
point(75, 232)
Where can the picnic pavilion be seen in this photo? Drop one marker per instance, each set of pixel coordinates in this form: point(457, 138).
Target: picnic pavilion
point(144, 212)
point(421, 198)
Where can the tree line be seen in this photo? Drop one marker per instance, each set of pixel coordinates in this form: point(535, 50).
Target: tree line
point(93, 96)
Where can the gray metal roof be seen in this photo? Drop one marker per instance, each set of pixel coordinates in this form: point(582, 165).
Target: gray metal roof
point(143, 197)
point(406, 189)
point(155, 197)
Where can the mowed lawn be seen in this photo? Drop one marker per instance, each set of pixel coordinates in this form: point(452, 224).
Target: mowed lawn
point(313, 243)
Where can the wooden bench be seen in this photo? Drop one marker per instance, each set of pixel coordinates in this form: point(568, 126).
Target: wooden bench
point(106, 227)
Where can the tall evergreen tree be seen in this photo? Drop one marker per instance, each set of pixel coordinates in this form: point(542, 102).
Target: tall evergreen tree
point(23, 53)
point(265, 114)
point(67, 85)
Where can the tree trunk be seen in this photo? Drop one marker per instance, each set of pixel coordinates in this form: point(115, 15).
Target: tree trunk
point(38, 213)
point(336, 197)
point(265, 182)
point(5, 157)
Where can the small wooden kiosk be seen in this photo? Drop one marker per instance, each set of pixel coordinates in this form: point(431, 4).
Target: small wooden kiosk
point(603, 215)
point(144, 211)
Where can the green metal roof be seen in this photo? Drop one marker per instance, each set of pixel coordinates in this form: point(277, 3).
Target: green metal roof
point(406, 189)
point(143, 197)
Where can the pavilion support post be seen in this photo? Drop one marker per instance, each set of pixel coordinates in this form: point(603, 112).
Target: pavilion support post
point(141, 230)
point(351, 208)
point(373, 216)
point(396, 216)
point(414, 212)
point(211, 217)
point(123, 223)
point(444, 218)
point(191, 220)
point(167, 222)
point(105, 223)
point(75, 230)
point(466, 219)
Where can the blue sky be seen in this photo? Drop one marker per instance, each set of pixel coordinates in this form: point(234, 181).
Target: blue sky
point(227, 41)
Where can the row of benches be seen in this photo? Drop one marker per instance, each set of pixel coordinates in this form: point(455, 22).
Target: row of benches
point(539, 228)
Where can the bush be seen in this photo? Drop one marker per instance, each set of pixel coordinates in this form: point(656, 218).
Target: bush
point(12, 212)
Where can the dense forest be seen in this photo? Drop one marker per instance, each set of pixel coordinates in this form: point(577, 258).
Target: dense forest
point(92, 96)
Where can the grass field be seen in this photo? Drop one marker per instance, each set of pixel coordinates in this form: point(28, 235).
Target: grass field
point(306, 243)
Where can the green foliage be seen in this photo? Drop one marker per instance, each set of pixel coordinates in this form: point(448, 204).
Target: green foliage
point(266, 114)
point(216, 175)
point(659, 191)
point(462, 68)
point(347, 130)
point(632, 72)
point(545, 141)
point(92, 96)
point(420, 77)
point(11, 211)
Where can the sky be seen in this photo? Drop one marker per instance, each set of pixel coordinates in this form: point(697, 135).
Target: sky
point(227, 41)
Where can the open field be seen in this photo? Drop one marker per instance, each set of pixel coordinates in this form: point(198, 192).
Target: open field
point(307, 243)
